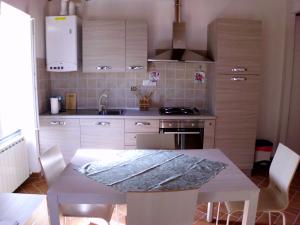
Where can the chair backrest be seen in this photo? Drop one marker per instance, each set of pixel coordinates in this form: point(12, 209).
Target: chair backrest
point(161, 208)
point(155, 141)
point(53, 164)
point(282, 170)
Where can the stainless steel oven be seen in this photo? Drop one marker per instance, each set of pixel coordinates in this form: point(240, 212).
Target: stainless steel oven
point(188, 133)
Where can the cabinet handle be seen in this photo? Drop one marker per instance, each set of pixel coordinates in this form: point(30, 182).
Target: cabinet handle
point(103, 68)
point(238, 78)
point(142, 123)
point(60, 123)
point(135, 67)
point(239, 69)
point(105, 124)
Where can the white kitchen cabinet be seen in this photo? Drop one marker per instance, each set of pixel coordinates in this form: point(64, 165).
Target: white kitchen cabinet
point(235, 45)
point(209, 134)
point(102, 133)
point(138, 126)
point(103, 46)
point(136, 46)
point(62, 132)
point(114, 46)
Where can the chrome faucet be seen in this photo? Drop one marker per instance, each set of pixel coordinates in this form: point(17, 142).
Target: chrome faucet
point(102, 101)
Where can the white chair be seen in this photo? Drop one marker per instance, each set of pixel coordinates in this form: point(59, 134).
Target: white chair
point(161, 208)
point(155, 141)
point(275, 197)
point(53, 164)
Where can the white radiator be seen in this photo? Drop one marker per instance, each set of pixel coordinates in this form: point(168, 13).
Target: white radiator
point(14, 166)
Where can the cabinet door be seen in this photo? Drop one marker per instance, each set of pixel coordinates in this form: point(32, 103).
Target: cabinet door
point(136, 46)
point(236, 110)
point(102, 133)
point(209, 134)
point(103, 48)
point(62, 132)
point(238, 46)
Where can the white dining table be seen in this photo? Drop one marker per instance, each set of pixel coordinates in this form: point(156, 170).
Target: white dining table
point(231, 184)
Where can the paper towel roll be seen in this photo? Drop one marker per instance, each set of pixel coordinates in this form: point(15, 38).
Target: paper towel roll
point(54, 105)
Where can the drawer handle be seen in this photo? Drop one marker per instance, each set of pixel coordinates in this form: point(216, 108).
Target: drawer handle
point(135, 67)
point(142, 123)
point(105, 124)
point(238, 78)
point(99, 68)
point(239, 69)
point(58, 123)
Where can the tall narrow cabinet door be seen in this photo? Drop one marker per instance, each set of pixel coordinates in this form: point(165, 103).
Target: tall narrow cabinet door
point(136, 46)
point(103, 46)
point(235, 44)
point(236, 110)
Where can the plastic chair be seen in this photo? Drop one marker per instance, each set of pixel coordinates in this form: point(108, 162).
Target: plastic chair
point(275, 197)
point(161, 208)
point(155, 141)
point(53, 164)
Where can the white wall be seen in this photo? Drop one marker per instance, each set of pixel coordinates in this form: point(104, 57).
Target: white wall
point(198, 14)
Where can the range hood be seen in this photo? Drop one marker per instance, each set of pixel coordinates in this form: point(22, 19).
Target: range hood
point(178, 53)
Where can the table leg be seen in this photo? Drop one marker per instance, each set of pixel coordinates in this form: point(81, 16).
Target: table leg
point(210, 209)
point(250, 208)
point(53, 209)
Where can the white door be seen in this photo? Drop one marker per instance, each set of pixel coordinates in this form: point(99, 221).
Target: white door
point(17, 81)
point(293, 134)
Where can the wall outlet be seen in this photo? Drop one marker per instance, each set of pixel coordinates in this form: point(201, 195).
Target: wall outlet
point(133, 88)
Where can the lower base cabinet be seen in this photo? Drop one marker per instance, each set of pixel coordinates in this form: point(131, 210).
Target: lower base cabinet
point(102, 133)
point(65, 133)
point(70, 134)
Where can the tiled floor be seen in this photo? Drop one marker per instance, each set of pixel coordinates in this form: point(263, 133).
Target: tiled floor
point(37, 185)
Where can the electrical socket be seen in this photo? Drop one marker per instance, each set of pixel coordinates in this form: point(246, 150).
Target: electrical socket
point(133, 88)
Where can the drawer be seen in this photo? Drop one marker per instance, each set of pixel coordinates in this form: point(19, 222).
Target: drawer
point(145, 126)
point(130, 138)
point(102, 123)
point(130, 147)
point(59, 122)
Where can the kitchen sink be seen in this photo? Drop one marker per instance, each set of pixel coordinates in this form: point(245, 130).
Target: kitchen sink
point(116, 112)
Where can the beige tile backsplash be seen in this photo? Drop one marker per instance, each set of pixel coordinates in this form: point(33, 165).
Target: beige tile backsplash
point(176, 86)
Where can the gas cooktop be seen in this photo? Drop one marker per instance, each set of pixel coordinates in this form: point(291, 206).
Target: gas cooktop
point(178, 111)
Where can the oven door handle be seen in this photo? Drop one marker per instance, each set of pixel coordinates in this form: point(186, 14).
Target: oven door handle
point(183, 132)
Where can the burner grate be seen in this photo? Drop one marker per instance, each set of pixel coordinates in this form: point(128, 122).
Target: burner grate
point(176, 111)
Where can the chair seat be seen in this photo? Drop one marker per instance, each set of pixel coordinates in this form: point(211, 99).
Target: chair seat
point(87, 210)
point(268, 201)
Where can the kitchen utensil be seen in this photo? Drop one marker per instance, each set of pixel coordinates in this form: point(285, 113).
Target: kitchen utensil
point(71, 101)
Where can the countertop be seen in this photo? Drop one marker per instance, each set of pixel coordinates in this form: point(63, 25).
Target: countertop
point(128, 114)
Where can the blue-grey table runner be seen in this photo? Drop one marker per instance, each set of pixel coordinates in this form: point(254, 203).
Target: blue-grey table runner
point(149, 170)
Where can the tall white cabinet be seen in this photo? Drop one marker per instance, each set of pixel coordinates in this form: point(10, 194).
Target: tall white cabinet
point(235, 45)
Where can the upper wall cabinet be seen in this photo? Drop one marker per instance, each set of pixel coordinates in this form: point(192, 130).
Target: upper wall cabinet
point(114, 46)
point(103, 46)
point(136, 46)
point(235, 45)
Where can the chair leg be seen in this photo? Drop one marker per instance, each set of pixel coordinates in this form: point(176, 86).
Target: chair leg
point(270, 219)
point(228, 219)
point(283, 218)
point(218, 213)
point(117, 212)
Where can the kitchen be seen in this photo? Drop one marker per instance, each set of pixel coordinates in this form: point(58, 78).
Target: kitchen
point(176, 86)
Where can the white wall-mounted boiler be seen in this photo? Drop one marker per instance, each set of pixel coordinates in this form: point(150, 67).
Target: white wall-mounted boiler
point(63, 48)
